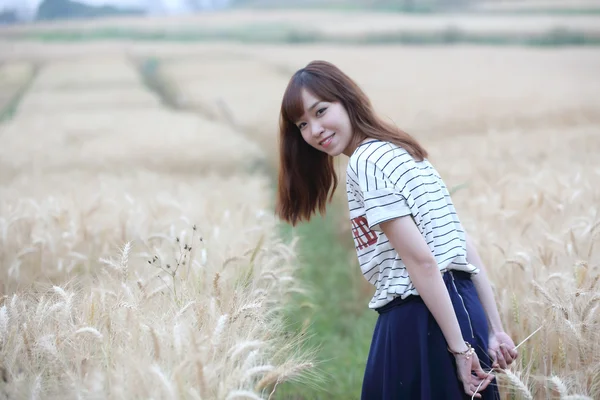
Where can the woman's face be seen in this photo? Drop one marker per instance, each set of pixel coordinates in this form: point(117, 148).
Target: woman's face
point(325, 125)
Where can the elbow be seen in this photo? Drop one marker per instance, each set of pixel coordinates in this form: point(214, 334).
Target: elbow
point(426, 268)
point(430, 268)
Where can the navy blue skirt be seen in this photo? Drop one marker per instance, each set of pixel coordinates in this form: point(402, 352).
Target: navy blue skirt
point(409, 358)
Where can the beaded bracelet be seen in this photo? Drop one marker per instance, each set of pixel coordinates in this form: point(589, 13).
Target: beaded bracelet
point(467, 353)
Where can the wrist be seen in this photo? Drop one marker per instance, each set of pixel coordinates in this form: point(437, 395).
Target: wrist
point(458, 345)
point(458, 350)
point(465, 351)
point(496, 328)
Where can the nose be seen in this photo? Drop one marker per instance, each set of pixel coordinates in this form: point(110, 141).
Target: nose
point(316, 128)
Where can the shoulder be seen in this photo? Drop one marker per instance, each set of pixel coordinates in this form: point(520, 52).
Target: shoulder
point(379, 155)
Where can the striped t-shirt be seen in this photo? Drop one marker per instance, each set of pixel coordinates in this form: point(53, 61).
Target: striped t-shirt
point(383, 182)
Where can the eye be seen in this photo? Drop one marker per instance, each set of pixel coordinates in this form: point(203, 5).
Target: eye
point(321, 111)
point(301, 125)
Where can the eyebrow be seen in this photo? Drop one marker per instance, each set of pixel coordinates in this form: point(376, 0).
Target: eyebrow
point(314, 105)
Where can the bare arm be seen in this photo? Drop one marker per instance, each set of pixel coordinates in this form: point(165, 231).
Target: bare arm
point(484, 288)
point(425, 275)
point(501, 347)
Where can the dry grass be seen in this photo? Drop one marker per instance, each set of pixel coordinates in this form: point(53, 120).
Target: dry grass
point(517, 127)
point(195, 317)
point(464, 89)
point(153, 138)
point(531, 204)
point(516, 132)
point(520, 128)
point(87, 72)
point(88, 84)
point(13, 76)
point(50, 101)
point(84, 107)
point(359, 25)
point(241, 90)
point(73, 218)
point(337, 22)
point(15, 73)
point(140, 257)
point(533, 5)
point(119, 51)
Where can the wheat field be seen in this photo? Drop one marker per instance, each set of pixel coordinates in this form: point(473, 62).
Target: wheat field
point(140, 256)
point(13, 76)
point(535, 5)
point(341, 23)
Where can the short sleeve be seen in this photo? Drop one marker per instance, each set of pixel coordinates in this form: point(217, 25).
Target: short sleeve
point(382, 200)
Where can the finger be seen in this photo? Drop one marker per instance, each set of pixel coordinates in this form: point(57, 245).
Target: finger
point(493, 358)
point(473, 393)
point(506, 354)
point(470, 390)
point(482, 384)
point(479, 372)
point(487, 379)
point(479, 386)
point(501, 360)
point(491, 378)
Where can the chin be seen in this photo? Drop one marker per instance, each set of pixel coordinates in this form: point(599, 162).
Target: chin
point(335, 152)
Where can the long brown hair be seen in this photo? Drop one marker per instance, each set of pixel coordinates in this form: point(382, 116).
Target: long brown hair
point(307, 175)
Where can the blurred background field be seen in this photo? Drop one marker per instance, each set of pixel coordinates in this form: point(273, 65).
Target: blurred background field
point(125, 139)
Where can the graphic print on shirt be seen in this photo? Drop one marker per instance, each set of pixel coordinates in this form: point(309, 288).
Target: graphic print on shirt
point(363, 236)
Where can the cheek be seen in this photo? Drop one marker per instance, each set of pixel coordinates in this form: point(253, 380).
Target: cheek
point(347, 124)
point(306, 136)
point(338, 119)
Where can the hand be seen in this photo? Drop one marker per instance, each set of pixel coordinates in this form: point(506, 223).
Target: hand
point(472, 384)
point(502, 350)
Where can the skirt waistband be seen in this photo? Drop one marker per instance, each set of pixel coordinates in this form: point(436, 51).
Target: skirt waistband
point(398, 301)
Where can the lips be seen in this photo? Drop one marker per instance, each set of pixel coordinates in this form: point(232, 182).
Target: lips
point(325, 142)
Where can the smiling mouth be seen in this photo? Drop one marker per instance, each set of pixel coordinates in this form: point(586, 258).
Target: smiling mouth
point(327, 140)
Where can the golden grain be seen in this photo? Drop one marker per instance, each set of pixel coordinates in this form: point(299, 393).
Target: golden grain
point(93, 191)
point(521, 388)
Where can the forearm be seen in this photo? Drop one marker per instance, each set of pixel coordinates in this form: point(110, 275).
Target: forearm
point(425, 275)
point(484, 289)
point(430, 285)
point(486, 296)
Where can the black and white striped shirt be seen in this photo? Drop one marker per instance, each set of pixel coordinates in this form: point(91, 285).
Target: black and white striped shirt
point(384, 182)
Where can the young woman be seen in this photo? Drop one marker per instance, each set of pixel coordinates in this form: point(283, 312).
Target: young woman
point(438, 324)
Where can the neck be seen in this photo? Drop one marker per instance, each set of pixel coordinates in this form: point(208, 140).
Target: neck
point(354, 144)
